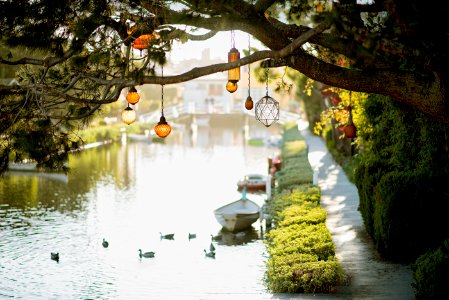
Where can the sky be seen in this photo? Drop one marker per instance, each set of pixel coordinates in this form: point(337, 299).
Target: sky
point(219, 46)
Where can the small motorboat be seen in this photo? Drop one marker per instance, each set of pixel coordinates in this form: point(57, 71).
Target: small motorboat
point(238, 215)
point(253, 182)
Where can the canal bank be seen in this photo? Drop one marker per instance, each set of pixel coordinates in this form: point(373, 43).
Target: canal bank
point(370, 276)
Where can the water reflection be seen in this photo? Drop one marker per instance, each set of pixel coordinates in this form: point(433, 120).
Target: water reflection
point(129, 193)
point(227, 238)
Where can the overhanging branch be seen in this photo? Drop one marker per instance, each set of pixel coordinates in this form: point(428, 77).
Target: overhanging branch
point(256, 56)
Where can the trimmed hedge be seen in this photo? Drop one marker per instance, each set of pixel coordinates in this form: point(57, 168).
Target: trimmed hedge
point(402, 179)
point(296, 169)
point(431, 274)
point(301, 251)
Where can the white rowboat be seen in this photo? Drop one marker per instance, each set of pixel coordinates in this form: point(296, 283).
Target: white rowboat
point(238, 215)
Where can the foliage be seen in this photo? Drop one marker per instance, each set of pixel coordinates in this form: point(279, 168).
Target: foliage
point(95, 134)
point(312, 101)
point(74, 58)
point(291, 132)
point(306, 195)
point(431, 274)
point(301, 251)
point(402, 179)
point(349, 109)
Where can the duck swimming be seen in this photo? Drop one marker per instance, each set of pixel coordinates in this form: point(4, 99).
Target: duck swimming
point(146, 254)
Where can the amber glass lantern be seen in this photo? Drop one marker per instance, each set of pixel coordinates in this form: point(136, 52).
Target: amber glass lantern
point(128, 115)
point(249, 104)
point(233, 74)
point(231, 86)
point(132, 97)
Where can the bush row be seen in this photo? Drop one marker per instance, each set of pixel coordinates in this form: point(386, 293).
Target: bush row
point(431, 274)
point(296, 169)
point(402, 180)
point(301, 251)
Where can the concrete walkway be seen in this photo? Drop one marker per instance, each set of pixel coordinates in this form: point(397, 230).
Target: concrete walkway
point(370, 277)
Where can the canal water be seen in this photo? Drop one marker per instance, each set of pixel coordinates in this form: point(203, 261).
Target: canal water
point(129, 193)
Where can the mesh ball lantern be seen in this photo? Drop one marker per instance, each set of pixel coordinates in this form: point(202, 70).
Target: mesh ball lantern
point(267, 110)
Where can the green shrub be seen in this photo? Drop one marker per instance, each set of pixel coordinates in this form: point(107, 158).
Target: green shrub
point(300, 247)
point(431, 274)
point(291, 132)
point(402, 179)
point(293, 149)
point(299, 195)
point(307, 277)
point(305, 213)
point(288, 178)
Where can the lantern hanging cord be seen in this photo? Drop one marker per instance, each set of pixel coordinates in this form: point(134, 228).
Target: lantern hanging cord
point(350, 107)
point(232, 39)
point(131, 61)
point(249, 66)
point(162, 92)
point(266, 73)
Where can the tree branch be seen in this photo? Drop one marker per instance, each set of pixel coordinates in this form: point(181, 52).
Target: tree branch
point(181, 34)
point(262, 5)
point(256, 56)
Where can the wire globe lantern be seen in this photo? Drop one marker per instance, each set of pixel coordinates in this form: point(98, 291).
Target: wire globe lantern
point(267, 110)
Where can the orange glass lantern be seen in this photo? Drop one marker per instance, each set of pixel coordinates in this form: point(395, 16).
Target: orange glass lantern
point(128, 115)
point(162, 128)
point(143, 41)
point(231, 86)
point(132, 97)
point(233, 74)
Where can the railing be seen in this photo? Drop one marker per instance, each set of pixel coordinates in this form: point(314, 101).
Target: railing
point(175, 111)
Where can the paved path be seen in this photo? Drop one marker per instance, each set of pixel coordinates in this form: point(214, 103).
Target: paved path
point(371, 278)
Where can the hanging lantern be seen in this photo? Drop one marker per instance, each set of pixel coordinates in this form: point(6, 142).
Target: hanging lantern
point(162, 128)
point(143, 41)
point(350, 131)
point(231, 86)
point(128, 115)
point(267, 110)
point(249, 104)
point(233, 74)
point(132, 97)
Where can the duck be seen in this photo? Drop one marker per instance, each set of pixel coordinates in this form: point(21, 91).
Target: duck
point(146, 254)
point(209, 254)
point(105, 243)
point(170, 236)
point(212, 247)
point(192, 236)
point(55, 256)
